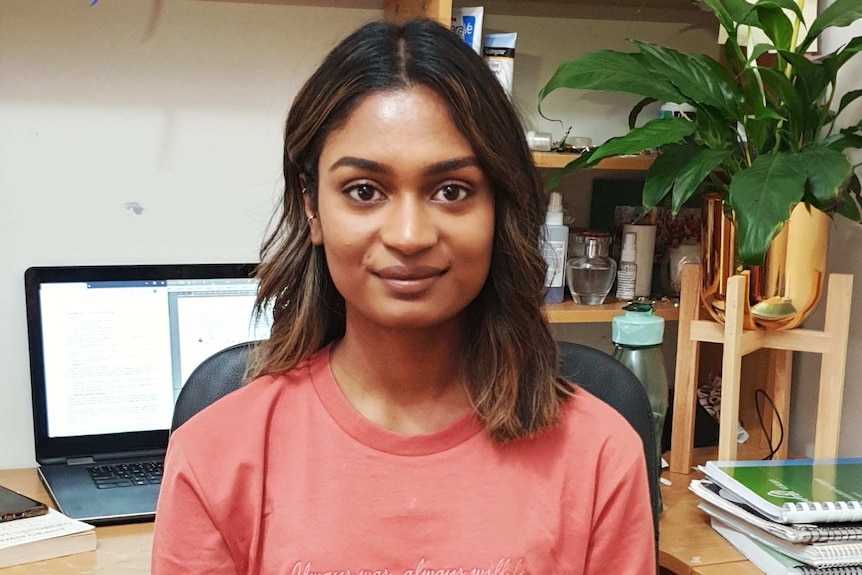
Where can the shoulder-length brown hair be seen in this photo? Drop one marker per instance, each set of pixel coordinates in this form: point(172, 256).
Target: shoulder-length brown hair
point(512, 369)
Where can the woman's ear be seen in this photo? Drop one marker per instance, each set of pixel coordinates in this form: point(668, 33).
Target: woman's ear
point(312, 221)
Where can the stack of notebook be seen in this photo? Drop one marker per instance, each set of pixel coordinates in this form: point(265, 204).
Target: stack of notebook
point(788, 517)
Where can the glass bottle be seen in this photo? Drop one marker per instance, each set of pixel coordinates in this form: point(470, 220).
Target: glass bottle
point(637, 336)
point(591, 275)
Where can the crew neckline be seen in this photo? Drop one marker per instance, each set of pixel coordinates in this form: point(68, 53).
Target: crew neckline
point(372, 435)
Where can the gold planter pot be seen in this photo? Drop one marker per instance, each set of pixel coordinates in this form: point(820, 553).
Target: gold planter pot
point(782, 291)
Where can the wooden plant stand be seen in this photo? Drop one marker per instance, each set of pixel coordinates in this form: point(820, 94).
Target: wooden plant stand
point(737, 342)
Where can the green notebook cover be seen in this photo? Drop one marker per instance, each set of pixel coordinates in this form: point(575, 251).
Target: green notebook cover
point(795, 490)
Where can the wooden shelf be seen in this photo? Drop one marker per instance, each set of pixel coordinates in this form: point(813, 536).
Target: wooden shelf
point(571, 312)
point(640, 162)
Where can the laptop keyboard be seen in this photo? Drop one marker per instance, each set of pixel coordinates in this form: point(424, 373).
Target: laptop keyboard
point(126, 474)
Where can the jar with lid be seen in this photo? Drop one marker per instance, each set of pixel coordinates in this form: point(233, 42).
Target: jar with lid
point(591, 275)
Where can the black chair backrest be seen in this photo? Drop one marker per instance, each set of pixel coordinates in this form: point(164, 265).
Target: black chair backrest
point(217, 376)
point(612, 382)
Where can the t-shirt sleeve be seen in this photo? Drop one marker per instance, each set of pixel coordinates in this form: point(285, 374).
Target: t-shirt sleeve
point(186, 540)
point(622, 540)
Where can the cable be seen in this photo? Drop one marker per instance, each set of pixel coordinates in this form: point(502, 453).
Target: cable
point(767, 432)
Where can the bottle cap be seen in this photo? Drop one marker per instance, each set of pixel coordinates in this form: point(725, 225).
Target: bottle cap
point(629, 243)
point(638, 326)
point(554, 215)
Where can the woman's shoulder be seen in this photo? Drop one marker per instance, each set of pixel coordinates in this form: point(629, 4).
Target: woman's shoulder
point(587, 420)
point(245, 410)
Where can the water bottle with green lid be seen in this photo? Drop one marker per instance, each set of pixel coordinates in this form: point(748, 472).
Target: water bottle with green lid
point(637, 337)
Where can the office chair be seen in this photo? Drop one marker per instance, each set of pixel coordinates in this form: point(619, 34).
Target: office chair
point(215, 377)
point(603, 376)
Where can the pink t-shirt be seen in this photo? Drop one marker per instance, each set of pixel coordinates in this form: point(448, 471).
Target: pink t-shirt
point(285, 476)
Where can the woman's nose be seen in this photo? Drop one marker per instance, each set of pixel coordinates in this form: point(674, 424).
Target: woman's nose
point(409, 226)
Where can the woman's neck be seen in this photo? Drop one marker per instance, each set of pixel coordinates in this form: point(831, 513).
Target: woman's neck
point(408, 382)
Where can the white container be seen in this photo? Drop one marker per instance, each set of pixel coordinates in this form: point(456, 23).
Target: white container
point(628, 268)
point(554, 243)
point(644, 253)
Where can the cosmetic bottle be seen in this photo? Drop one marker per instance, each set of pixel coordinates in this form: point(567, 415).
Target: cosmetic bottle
point(627, 271)
point(554, 243)
point(591, 275)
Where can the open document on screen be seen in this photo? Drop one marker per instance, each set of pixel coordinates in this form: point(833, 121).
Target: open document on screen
point(116, 353)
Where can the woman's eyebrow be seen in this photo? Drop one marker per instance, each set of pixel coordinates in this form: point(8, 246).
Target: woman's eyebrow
point(451, 165)
point(433, 169)
point(361, 163)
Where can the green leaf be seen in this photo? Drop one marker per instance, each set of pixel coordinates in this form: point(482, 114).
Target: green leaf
point(742, 12)
point(762, 197)
point(784, 5)
point(834, 62)
point(636, 110)
point(724, 18)
point(840, 13)
point(850, 200)
point(812, 78)
point(775, 24)
point(664, 170)
point(697, 76)
point(694, 173)
point(842, 141)
point(611, 71)
point(847, 98)
point(681, 168)
point(826, 170)
point(653, 134)
point(780, 86)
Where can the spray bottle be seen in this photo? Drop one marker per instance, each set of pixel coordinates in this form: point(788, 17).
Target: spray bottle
point(554, 243)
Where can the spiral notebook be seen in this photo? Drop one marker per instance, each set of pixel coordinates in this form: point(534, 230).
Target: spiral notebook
point(795, 490)
point(772, 562)
point(714, 496)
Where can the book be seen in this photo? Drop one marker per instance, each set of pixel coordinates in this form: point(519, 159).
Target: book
point(772, 562)
point(793, 532)
point(795, 490)
point(43, 537)
point(827, 554)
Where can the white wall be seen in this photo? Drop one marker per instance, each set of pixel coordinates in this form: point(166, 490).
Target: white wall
point(844, 244)
point(187, 122)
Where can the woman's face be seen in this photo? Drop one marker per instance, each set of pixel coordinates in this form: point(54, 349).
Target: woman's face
point(405, 215)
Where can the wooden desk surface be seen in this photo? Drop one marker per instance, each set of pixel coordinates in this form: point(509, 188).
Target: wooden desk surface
point(687, 544)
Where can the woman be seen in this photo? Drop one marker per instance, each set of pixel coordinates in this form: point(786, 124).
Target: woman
point(406, 417)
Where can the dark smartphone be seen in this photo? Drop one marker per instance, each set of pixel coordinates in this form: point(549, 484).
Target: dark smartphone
point(13, 505)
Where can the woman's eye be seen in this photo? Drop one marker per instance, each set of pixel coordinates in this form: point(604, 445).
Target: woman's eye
point(364, 193)
point(450, 193)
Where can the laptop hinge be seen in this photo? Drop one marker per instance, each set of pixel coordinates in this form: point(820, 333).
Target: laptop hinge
point(88, 460)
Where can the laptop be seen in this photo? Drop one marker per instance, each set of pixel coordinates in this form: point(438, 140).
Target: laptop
point(110, 349)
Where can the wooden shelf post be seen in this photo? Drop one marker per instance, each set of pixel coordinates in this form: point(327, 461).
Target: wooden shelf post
point(737, 342)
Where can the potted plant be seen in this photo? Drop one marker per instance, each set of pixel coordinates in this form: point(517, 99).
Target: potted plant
point(763, 134)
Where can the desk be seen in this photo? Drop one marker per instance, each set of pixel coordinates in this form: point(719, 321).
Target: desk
point(687, 545)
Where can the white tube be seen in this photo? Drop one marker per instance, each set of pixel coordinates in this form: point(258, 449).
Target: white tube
point(499, 52)
point(467, 23)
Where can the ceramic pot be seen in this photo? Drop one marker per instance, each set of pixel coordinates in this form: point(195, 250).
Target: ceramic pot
point(786, 288)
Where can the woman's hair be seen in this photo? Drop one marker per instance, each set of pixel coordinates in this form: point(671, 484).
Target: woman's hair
point(511, 374)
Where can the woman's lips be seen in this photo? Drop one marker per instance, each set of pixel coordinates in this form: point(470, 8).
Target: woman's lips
point(409, 279)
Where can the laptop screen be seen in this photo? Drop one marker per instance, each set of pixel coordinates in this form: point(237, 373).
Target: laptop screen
point(111, 346)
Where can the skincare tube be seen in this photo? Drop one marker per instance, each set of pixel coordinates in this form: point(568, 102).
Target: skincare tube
point(499, 52)
point(467, 23)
